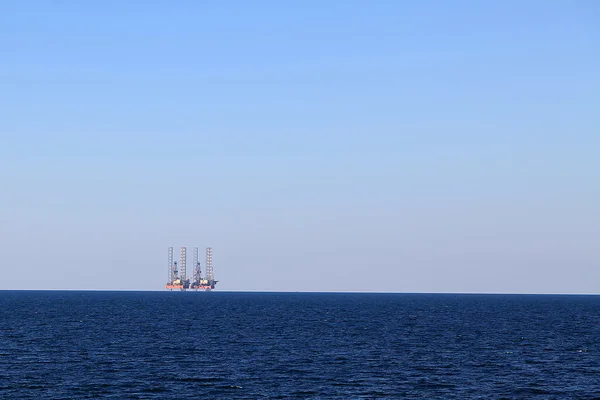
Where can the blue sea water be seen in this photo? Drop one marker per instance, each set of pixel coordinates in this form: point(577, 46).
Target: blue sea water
point(173, 345)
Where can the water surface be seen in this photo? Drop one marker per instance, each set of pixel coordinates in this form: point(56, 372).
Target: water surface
point(173, 345)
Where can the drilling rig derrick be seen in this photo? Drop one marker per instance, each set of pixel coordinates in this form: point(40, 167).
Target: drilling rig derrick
point(178, 276)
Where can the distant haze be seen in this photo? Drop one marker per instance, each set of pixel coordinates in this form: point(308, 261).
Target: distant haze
point(409, 146)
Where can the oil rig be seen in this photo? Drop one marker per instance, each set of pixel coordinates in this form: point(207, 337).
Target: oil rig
point(177, 273)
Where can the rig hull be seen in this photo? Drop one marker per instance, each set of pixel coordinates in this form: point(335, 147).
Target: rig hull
point(202, 287)
point(181, 287)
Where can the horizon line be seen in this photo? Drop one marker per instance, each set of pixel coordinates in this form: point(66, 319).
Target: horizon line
point(305, 291)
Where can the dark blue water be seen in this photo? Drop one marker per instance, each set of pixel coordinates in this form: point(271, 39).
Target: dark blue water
point(121, 345)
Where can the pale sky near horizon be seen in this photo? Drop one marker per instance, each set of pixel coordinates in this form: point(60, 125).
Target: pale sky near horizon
point(410, 146)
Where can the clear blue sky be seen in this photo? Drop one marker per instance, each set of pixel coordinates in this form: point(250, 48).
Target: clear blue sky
point(315, 145)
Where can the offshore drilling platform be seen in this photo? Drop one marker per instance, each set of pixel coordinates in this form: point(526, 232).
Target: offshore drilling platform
point(177, 273)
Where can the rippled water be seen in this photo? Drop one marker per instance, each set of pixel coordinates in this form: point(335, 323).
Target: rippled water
point(163, 345)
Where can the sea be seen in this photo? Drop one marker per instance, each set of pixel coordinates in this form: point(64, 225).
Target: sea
point(235, 345)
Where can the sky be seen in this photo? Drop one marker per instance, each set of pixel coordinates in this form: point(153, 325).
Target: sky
point(397, 146)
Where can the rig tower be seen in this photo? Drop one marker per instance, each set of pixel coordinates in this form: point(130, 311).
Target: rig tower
point(182, 263)
point(209, 280)
point(171, 266)
point(209, 267)
point(197, 271)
